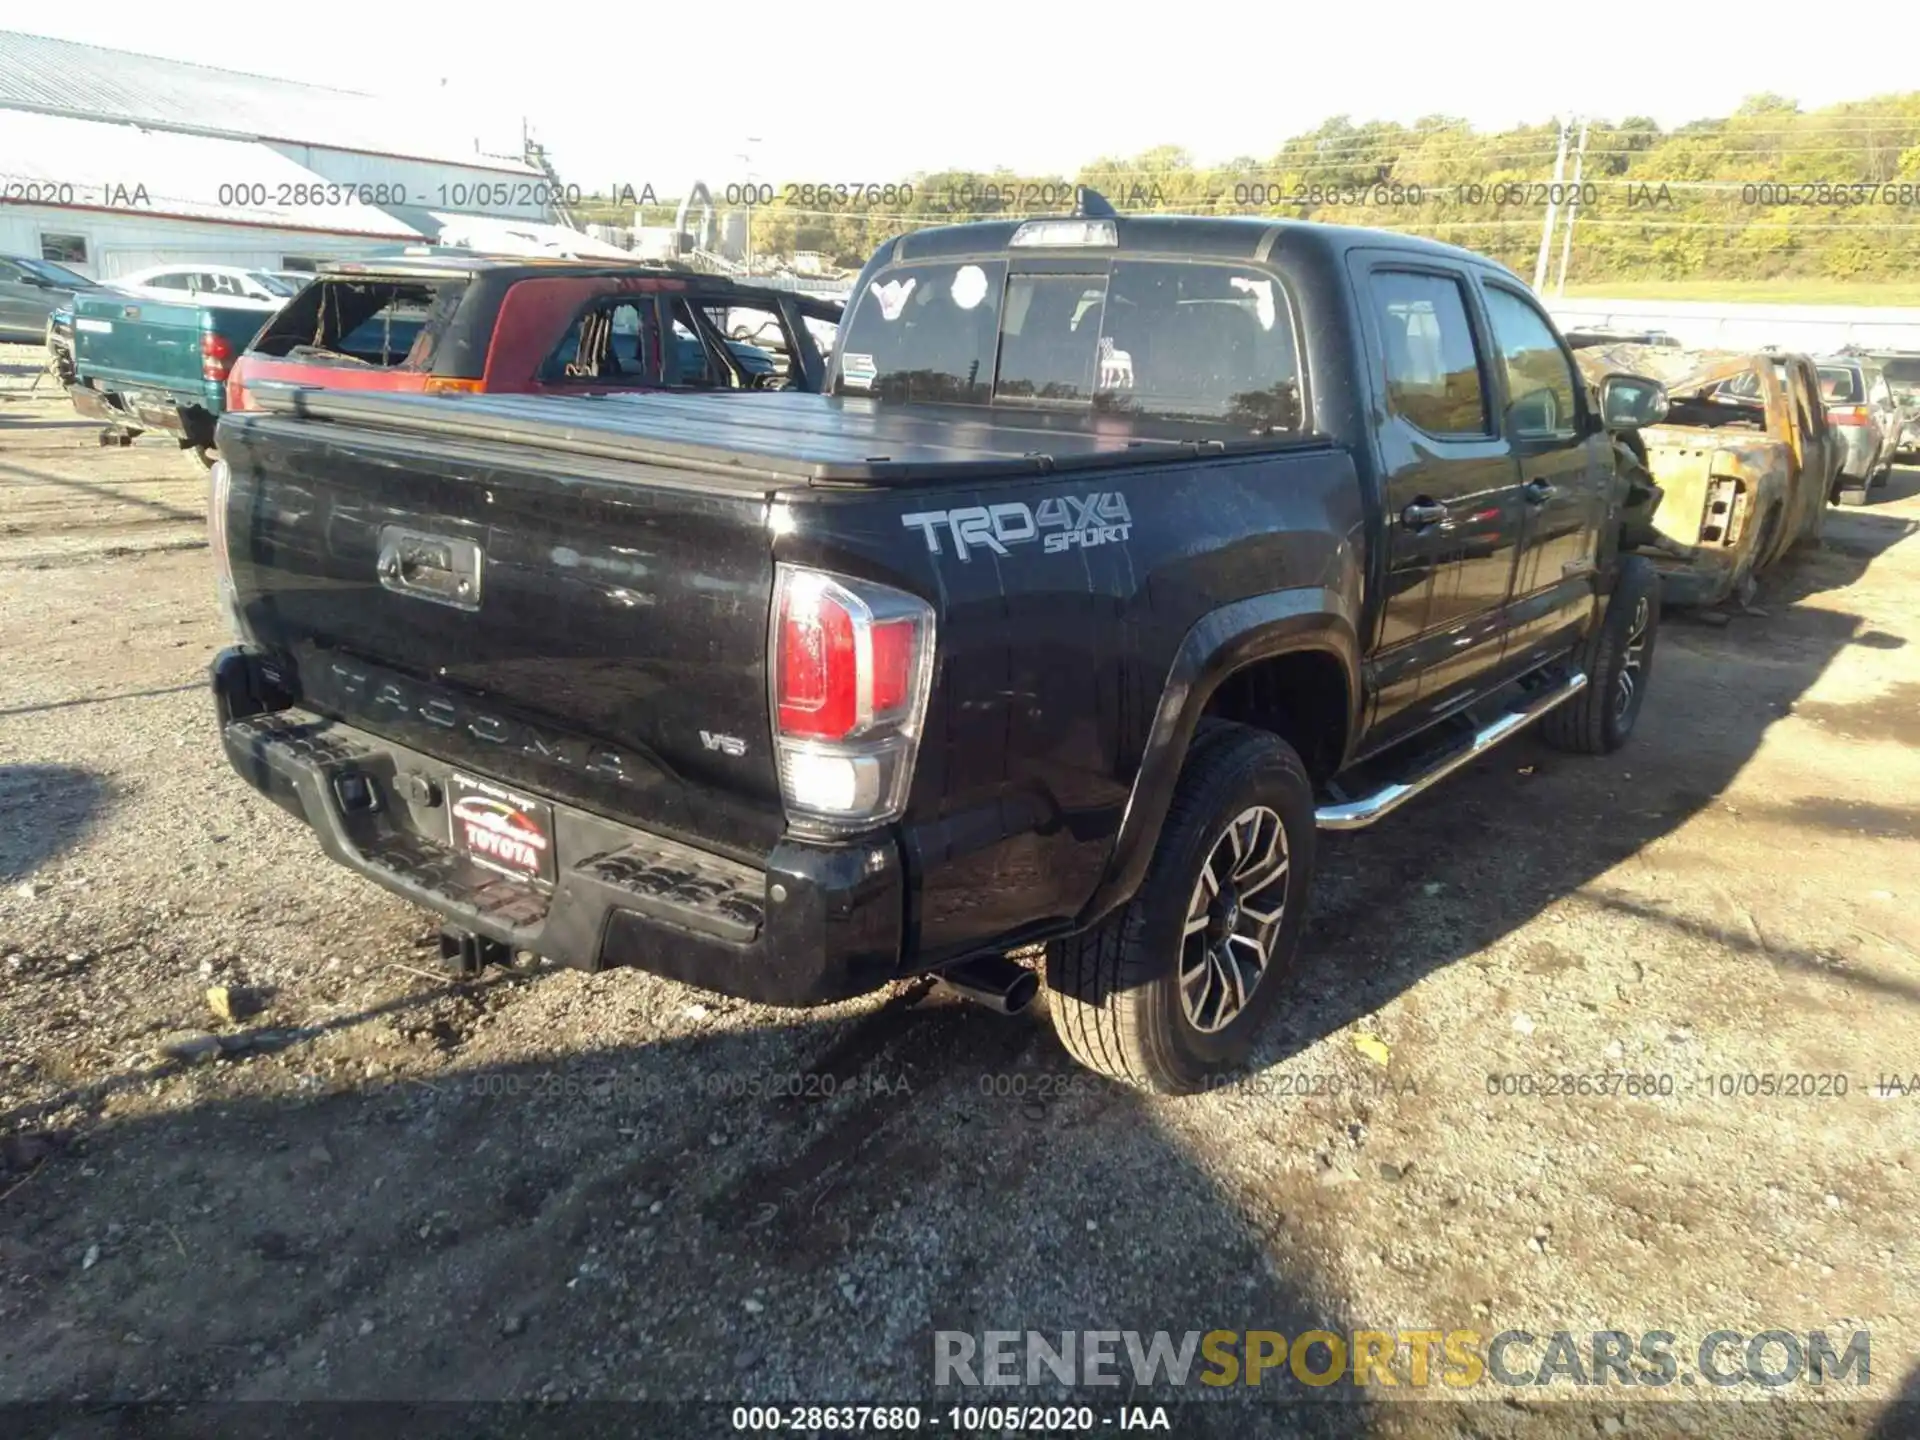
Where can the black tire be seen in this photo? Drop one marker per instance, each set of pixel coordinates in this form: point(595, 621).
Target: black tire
point(1601, 717)
point(1115, 991)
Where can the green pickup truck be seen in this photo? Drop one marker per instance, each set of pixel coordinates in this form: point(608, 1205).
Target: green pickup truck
point(144, 364)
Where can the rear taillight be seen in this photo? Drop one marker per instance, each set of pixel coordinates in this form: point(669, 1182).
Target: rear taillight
point(852, 663)
point(1850, 415)
point(237, 386)
point(219, 497)
point(448, 385)
point(216, 356)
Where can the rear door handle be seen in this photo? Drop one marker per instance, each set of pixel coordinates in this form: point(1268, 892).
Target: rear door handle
point(1422, 513)
point(1538, 492)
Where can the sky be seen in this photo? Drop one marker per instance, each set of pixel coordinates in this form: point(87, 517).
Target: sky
point(644, 94)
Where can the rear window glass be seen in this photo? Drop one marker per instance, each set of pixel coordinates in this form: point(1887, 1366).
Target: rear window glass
point(389, 324)
point(1166, 341)
point(58, 274)
point(1839, 385)
point(925, 332)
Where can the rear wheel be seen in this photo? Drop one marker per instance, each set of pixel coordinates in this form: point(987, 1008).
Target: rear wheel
point(1618, 661)
point(1171, 989)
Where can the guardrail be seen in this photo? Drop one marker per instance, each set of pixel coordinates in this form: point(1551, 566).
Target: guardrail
point(1705, 325)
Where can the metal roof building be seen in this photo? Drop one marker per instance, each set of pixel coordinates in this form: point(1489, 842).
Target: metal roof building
point(112, 161)
point(61, 77)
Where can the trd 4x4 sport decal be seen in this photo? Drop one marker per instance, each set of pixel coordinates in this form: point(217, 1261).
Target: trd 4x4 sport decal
point(1062, 523)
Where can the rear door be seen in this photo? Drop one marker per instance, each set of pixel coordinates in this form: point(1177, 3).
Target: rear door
point(1565, 468)
point(1453, 506)
point(1816, 445)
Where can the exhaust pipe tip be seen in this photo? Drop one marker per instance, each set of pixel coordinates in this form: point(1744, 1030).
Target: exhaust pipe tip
point(993, 981)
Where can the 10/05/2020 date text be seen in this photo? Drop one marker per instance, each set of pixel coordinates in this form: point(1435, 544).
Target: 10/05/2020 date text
point(956, 1419)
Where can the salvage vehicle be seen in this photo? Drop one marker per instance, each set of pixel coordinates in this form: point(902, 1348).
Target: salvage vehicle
point(1744, 459)
point(1122, 556)
point(1902, 369)
point(468, 324)
point(31, 290)
point(140, 364)
point(1861, 407)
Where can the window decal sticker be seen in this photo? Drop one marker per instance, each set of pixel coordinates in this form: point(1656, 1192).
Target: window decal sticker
point(1262, 292)
point(892, 295)
point(969, 287)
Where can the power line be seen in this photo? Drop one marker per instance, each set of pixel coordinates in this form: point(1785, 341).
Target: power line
point(1530, 220)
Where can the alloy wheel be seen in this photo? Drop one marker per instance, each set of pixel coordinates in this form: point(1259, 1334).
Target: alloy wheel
point(1633, 665)
point(1232, 918)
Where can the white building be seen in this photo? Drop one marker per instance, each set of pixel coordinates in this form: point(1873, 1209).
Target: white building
point(111, 162)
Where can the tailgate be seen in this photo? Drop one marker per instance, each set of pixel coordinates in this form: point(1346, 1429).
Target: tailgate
point(592, 630)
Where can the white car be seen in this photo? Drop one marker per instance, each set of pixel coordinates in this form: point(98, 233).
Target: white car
point(224, 282)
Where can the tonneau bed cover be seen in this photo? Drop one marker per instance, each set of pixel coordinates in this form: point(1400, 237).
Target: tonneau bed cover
point(779, 437)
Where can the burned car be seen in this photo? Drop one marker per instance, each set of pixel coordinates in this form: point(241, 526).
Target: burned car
point(1744, 458)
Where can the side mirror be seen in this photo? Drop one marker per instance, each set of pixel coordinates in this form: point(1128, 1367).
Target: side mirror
point(1628, 402)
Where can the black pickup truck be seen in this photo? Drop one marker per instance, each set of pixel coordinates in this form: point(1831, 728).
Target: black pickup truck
point(1121, 556)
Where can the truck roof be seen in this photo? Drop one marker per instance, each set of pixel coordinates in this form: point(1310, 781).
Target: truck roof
point(500, 272)
point(1236, 237)
point(513, 267)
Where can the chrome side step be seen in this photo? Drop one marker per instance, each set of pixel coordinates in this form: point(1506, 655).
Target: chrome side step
point(1358, 814)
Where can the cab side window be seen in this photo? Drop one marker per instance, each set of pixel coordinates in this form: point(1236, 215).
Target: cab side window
point(1433, 375)
point(1541, 385)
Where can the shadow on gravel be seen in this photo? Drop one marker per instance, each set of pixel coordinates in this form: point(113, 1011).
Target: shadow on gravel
point(105, 491)
point(1901, 1421)
point(1755, 946)
point(779, 1214)
point(246, 1042)
point(1524, 827)
point(45, 810)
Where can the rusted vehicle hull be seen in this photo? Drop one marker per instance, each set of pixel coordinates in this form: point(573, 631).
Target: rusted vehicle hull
point(1745, 463)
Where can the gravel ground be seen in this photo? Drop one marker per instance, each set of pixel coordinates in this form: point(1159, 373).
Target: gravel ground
point(383, 1185)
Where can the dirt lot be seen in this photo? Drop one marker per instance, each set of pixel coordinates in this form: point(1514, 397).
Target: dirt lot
point(390, 1186)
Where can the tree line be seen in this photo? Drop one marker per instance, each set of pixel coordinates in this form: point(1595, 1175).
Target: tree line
point(1769, 192)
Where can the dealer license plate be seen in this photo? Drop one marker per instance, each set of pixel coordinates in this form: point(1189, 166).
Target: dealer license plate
point(506, 832)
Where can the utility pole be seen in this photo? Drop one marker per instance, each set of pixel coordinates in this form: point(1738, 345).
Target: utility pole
point(746, 160)
point(1573, 212)
point(1553, 212)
